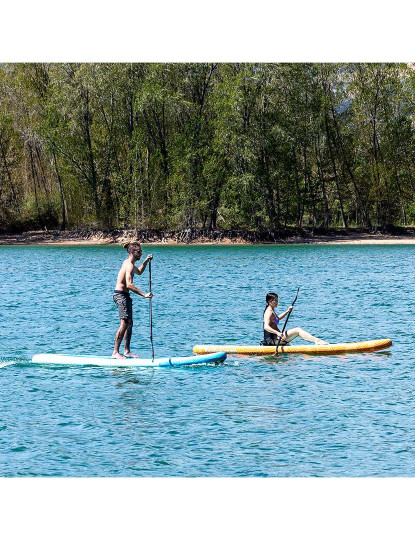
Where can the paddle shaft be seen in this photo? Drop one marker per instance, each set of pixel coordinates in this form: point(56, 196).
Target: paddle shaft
point(151, 312)
point(285, 324)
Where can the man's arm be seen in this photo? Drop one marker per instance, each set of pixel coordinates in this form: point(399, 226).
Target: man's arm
point(141, 269)
point(130, 284)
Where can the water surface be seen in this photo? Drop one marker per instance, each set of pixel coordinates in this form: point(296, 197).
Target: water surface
point(349, 415)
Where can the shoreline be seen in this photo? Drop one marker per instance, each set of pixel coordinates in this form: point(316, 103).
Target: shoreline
point(302, 237)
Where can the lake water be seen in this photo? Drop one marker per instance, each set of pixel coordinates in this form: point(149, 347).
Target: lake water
point(349, 415)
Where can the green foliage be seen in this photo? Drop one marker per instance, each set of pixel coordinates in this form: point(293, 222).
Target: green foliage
point(173, 146)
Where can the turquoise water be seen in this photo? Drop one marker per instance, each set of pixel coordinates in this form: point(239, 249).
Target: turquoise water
point(349, 415)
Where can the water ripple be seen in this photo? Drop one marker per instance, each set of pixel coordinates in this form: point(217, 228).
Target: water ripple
point(345, 415)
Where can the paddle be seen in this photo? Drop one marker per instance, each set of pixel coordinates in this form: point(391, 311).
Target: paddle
point(151, 311)
point(285, 324)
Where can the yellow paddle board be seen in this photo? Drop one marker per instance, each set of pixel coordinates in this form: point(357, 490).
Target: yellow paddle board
point(332, 348)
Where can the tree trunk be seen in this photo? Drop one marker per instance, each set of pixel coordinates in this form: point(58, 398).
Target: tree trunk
point(149, 213)
point(93, 173)
point(299, 198)
point(320, 173)
point(349, 169)
point(377, 157)
point(6, 166)
point(63, 205)
point(333, 162)
point(34, 176)
point(401, 198)
point(42, 172)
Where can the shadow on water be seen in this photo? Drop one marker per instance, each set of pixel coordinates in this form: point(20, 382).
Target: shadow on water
point(276, 359)
point(285, 359)
point(132, 377)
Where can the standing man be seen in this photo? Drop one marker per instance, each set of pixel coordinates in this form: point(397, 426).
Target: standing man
point(123, 300)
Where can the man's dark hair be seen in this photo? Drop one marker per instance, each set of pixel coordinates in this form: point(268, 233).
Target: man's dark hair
point(131, 246)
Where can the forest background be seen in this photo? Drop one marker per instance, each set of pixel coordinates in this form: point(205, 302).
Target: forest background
point(173, 146)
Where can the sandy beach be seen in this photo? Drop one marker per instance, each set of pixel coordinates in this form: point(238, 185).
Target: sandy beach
point(85, 237)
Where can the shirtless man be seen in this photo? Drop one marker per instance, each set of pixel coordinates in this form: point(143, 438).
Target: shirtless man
point(123, 300)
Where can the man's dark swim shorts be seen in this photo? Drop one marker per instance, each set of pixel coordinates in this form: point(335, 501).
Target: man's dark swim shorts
point(124, 304)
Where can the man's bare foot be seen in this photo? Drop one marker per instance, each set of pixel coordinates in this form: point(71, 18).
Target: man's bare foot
point(321, 342)
point(129, 354)
point(118, 355)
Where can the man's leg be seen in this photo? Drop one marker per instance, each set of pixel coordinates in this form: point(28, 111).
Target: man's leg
point(127, 340)
point(129, 331)
point(118, 338)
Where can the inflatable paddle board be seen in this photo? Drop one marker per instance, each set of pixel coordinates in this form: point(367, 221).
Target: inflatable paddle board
point(332, 348)
point(72, 360)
